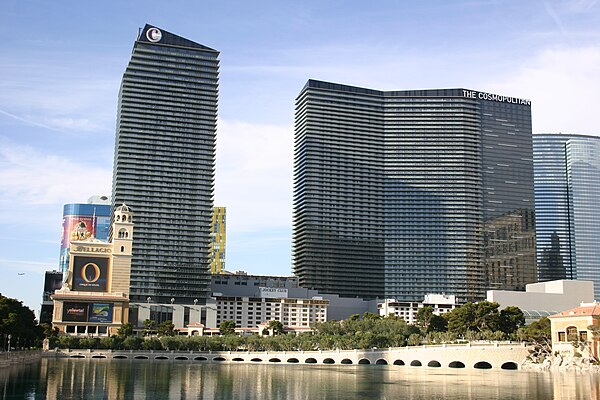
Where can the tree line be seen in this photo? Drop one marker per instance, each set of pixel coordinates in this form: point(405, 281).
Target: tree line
point(471, 321)
point(480, 321)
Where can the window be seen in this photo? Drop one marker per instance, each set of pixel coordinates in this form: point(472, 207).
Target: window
point(583, 336)
point(572, 334)
point(562, 337)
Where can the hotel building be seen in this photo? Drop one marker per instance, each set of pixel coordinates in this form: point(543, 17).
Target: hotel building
point(94, 298)
point(399, 194)
point(164, 168)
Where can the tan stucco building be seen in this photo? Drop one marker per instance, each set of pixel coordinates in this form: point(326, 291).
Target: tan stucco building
point(94, 299)
point(571, 333)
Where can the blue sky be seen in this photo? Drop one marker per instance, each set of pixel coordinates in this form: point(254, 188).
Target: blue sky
point(61, 64)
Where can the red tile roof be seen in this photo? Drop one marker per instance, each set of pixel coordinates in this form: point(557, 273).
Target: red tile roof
point(591, 309)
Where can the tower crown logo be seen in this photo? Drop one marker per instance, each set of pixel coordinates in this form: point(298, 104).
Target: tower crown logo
point(154, 35)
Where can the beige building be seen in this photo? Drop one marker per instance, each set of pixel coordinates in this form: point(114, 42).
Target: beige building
point(571, 333)
point(272, 304)
point(440, 303)
point(94, 299)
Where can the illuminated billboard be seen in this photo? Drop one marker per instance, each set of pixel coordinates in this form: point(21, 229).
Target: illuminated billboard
point(75, 312)
point(80, 222)
point(90, 274)
point(100, 312)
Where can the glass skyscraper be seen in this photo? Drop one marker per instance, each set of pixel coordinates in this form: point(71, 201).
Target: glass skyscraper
point(567, 191)
point(164, 164)
point(406, 193)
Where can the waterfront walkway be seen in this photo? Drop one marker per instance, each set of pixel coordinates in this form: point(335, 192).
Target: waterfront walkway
point(470, 355)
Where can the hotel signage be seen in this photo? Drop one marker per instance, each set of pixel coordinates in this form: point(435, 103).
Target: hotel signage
point(154, 35)
point(86, 249)
point(75, 312)
point(90, 274)
point(273, 293)
point(472, 94)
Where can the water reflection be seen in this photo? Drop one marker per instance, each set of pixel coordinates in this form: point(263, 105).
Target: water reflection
point(141, 379)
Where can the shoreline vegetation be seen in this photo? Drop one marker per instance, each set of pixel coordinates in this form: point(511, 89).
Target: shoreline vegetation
point(470, 322)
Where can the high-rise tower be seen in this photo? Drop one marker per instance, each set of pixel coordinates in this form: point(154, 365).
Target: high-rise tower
point(164, 164)
point(567, 189)
point(405, 193)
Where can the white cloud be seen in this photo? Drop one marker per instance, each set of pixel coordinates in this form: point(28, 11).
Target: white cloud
point(563, 87)
point(254, 175)
point(30, 177)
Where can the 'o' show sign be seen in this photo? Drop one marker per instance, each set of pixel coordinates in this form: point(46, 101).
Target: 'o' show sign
point(90, 274)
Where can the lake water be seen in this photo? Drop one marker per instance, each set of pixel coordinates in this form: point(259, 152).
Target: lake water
point(142, 379)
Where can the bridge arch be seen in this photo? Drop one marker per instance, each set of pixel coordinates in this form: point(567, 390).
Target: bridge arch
point(415, 363)
point(328, 361)
point(399, 362)
point(140, 357)
point(434, 364)
point(274, 360)
point(200, 359)
point(482, 365)
point(100, 356)
point(181, 358)
point(310, 360)
point(256, 359)
point(237, 359)
point(364, 361)
point(456, 364)
point(510, 365)
point(292, 360)
point(220, 359)
point(381, 361)
point(346, 361)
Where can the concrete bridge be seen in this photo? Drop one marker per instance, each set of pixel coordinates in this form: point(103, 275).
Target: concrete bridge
point(471, 355)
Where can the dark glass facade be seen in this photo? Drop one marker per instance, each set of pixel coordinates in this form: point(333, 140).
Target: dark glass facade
point(449, 180)
point(338, 190)
point(165, 161)
point(567, 189)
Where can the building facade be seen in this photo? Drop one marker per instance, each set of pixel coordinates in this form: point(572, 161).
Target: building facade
point(571, 331)
point(94, 299)
point(403, 193)
point(164, 164)
point(250, 312)
point(219, 240)
point(52, 281)
point(567, 190)
point(245, 299)
point(543, 299)
point(439, 303)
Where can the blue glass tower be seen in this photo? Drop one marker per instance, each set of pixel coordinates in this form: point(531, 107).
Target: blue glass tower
point(567, 191)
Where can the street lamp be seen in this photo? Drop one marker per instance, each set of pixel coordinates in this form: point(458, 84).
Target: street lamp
point(9, 337)
point(172, 300)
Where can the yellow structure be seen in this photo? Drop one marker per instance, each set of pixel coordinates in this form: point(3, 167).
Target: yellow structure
point(217, 254)
point(94, 299)
point(571, 333)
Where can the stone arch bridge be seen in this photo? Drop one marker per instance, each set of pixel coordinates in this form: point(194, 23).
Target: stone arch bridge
point(471, 355)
